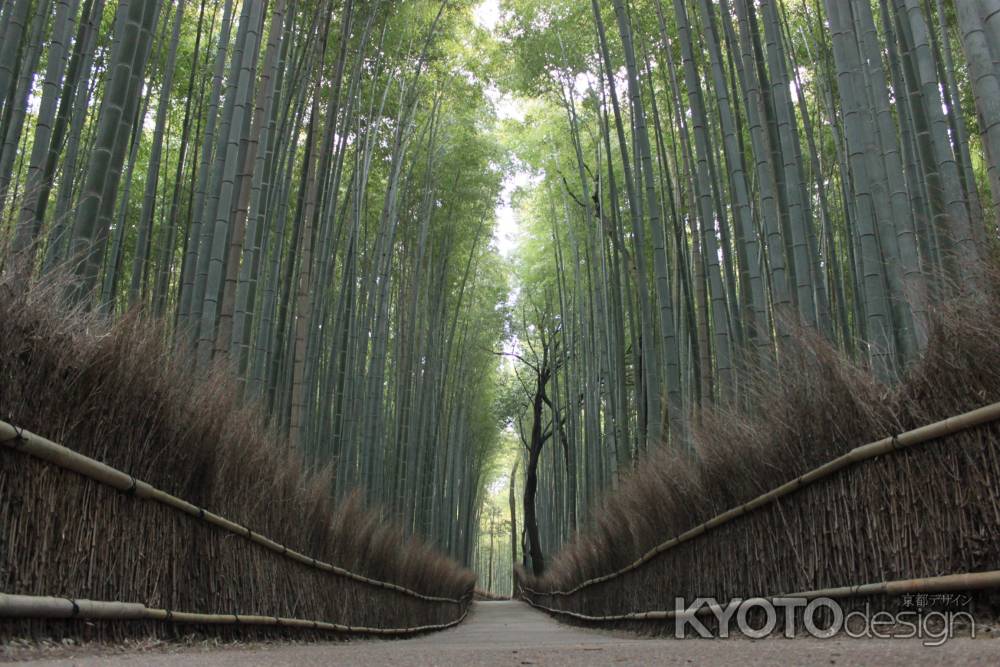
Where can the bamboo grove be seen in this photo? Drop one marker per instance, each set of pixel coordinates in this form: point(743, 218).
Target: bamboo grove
point(301, 191)
point(302, 195)
point(715, 180)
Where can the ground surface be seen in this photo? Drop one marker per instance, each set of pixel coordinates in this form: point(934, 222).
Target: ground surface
point(510, 633)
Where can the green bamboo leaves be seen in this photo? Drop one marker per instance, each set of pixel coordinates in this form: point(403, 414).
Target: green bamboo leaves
point(303, 192)
point(766, 170)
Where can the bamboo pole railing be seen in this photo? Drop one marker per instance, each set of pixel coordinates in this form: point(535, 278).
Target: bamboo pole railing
point(35, 606)
point(943, 584)
point(41, 448)
point(917, 436)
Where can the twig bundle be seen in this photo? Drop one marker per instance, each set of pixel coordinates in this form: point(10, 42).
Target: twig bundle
point(120, 396)
point(919, 512)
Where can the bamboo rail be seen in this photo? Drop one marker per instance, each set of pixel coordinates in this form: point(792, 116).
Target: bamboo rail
point(36, 606)
point(942, 584)
point(46, 450)
point(917, 436)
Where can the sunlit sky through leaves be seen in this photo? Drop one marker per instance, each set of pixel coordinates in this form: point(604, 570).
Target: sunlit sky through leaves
point(507, 229)
point(487, 14)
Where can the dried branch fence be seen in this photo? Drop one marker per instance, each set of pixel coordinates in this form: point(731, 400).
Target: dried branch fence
point(39, 606)
point(823, 522)
point(14, 606)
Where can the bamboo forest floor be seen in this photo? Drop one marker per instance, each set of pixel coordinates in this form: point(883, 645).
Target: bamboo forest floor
point(511, 633)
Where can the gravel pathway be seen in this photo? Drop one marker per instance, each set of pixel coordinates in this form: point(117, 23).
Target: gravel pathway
point(511, 633)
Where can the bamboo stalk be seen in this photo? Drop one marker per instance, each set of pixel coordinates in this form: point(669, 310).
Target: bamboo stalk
point(966, 581)
point(46, 450)
point(917, 436)
point(36, 606)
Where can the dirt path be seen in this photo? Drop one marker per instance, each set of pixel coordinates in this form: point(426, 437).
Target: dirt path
point(510, 633)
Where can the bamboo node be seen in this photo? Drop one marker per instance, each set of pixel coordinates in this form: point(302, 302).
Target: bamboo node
point(18, 438)
point(170, 615)
point(896, 444)
point(201, 513)
point(76, 607)
point(130, 491)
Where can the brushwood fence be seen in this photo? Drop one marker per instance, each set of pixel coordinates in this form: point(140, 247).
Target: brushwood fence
point(82, 542)
point(918, 512)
